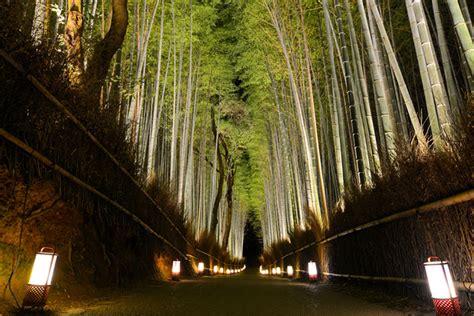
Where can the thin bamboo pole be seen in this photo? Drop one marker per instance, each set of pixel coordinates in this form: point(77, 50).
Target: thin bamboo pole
point(48, 163)
point(433, 206)
point(461, 286)
point(42, 89)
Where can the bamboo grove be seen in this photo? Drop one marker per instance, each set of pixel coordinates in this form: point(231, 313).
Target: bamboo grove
point(346, 95)
point(278, 107)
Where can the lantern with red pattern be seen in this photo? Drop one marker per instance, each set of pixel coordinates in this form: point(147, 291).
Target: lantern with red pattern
point(312, 271)
point(442, 289)
point(40, 278)
point(176, 270)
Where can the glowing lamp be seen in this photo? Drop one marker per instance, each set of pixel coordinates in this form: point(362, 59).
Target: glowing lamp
point(227, 271)
point(312, 271)
point(200, 267)
point(40, 279)
point(289, 271)
point(274, 271)
point(176, 270)
point(215, 269)
point(441, 285)
point(221, 270)
point(278, 270)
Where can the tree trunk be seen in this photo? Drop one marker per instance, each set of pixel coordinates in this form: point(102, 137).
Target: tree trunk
point(215, 207)
point(104, 51)
point(72, 39)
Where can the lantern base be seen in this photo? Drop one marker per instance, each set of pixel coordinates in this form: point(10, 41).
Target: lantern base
point(36, 295)
point(175, 277)
point(313, 278)
point(447, 307)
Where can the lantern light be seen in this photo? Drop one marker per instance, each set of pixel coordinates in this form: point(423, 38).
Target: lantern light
point(176, 270)
point(227, 271)
point(200, 267)
point(289, 271)
point(40, 279)
point(215, 269)
point(273, 271)
point(278, 270)
point(221, 270)
point(312, 271)
point(441, 285)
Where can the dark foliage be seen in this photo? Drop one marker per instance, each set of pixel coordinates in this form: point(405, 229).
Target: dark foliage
point(122, 249)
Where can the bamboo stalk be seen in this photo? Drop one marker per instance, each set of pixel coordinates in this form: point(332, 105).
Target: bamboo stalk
point(399, 76)
point(463, 33)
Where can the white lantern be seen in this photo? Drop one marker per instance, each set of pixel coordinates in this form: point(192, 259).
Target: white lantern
point(289, 271)
point(176, 270)
point(278, 270)
point(40, 278)
point(221, 270)
point(200, 267)
point(312, 271)
point(215, 269)
point(274, 271)
point(441, 285)
point(227, 271)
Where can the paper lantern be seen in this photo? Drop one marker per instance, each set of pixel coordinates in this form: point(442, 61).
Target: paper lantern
point(200, 267)
point(289, 271)
point(278, 270)
point(441, 285)
point(40, 279)
point(176, 270)
point(274, 271)
point(312, 271)
point(221, 270)
point(215, 269)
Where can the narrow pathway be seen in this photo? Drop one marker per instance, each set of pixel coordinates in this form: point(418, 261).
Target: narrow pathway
point(244, 294)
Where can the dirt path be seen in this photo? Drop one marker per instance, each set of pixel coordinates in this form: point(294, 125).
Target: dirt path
point(245, 294)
